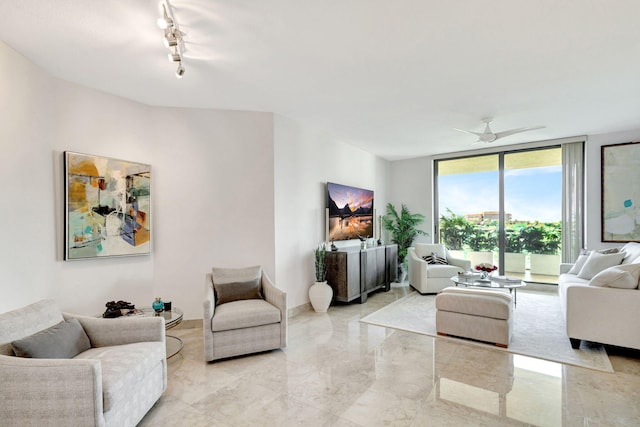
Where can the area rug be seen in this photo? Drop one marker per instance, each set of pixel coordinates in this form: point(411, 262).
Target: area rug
point(539, 329)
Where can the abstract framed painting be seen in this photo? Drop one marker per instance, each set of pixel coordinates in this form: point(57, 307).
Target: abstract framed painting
point(620, 197)
point(107, 207)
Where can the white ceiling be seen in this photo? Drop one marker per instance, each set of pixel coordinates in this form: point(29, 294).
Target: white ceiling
point(392, 77)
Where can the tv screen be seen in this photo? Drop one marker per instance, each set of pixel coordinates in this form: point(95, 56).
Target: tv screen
point(350, 212)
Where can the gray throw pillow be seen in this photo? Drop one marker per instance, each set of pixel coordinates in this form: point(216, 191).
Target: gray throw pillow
point(228, 292)
point(62, 341)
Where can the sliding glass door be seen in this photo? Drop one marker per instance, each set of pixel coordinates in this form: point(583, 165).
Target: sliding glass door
point(503, 208)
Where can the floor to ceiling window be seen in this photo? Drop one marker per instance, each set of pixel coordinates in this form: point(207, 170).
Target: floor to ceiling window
point(503, 208)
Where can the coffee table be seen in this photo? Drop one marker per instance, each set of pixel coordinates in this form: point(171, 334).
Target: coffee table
point(171, 319)
point(476, 282)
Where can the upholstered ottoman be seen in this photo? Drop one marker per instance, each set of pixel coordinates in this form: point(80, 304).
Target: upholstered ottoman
point(479, 314)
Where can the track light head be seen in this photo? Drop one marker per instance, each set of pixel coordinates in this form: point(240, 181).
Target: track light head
point(174, 57)
point(165, 22)
point(179, 71)
point(170, 41)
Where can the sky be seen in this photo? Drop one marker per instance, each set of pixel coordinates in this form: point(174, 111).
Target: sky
point(530, 194)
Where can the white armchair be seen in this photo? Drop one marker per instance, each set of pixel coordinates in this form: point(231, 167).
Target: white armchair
point(432, 278)
point(119, 374)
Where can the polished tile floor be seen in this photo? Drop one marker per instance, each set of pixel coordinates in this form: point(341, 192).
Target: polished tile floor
point(337, 371)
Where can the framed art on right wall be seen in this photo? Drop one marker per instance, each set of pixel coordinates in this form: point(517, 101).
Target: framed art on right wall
point(620, 197)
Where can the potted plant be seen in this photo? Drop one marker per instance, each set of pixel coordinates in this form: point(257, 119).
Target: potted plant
point(320, 293)
point(543, 241)
point(514, 258)
point(454, 232)
point(482, 241)
point(404, 229)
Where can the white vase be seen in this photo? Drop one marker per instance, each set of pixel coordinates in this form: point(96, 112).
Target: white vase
point(402, 273)
point(320, 295)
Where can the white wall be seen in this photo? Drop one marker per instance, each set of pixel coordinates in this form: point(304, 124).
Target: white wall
point(305, 159)
point(411, 182)
point(27, 232)
point(225, 192)
point(212, 192)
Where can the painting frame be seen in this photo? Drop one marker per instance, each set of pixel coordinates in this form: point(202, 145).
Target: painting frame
point(107, 207)
point(620, 192)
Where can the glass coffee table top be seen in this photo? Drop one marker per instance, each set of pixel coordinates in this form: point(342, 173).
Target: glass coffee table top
point(171, 318)
point(495, 283)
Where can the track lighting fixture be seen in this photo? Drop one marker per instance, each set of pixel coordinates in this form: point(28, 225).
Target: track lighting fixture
point(165, 22)
point(180, 70)
point(172, 36)
point(170, 40)
point(175, 56)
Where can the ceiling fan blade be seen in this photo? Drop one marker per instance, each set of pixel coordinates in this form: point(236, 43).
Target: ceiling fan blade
point(514, 131)
point(468, 131)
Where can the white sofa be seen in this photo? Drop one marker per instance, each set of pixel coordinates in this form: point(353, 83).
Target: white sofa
point(432, 278)
point(117, 377)
point(603, 314)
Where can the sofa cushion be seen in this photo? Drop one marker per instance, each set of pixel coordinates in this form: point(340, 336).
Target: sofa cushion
point(26, 321)
point(61, 341)
point(631, 251)
point(232, 284)
point(598, 262)
point(575, 269)
point(124, 366)
point(228, 292)
point(442, 271)
point(244, 314)
point(476, 302)
point(621, 276)
point(424, 249)
point(571, 279)
point(230, 275)
point(434, 258)
point(584, 254)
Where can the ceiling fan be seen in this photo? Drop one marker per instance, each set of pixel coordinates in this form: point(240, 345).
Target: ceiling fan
point(488, 136)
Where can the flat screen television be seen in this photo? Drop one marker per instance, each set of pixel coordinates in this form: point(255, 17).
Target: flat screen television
point(350, 212)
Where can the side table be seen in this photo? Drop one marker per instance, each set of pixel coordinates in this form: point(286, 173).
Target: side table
point(171, 319)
